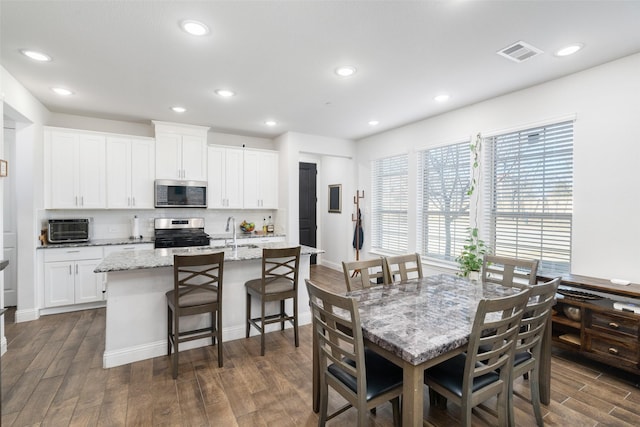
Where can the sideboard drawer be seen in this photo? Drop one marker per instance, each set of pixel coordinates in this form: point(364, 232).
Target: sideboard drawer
point(626, 351)
point(612, 323)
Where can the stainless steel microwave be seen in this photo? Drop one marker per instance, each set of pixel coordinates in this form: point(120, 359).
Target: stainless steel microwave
point(68, 230)
point(180, 194)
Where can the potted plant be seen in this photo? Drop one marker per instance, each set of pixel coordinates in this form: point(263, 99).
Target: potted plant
point(470, 260)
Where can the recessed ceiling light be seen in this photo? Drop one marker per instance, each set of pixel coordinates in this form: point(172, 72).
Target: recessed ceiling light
point(373, 123)
point(226, 93)
point(345, 71)
point(270, 122)
point(569, 50)
point(179, 109)
point(442, 97)
point(62, 91)
point(195, 28)
point(36, 56)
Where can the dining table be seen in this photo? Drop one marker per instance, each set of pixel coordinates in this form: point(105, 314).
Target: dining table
point(418, 323)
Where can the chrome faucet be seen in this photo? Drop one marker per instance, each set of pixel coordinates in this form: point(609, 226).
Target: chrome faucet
point(235, 237)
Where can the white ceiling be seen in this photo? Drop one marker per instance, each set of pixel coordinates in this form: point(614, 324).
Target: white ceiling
point(129, 60)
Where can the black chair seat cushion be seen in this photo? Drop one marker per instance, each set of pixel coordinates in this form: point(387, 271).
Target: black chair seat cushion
point(273, 287)
point(521, 358)
point(192, 298)
point(382, 375)
point(450, 373)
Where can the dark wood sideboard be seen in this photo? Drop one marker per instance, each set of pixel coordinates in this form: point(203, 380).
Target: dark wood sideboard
point(600, 331)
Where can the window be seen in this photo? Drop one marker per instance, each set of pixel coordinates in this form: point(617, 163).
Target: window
point(532, 195)
point(390, 204)
point(444, 175)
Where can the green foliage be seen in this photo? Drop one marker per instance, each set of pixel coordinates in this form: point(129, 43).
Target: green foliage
point(475, 150)
point(472, 254)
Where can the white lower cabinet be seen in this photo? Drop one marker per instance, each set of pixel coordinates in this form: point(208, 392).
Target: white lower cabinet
point(69, 277)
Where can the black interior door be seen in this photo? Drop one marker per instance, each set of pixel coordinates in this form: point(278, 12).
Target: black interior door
point(307, 209)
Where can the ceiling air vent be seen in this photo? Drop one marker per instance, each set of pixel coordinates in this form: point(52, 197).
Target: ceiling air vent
point(519, 51)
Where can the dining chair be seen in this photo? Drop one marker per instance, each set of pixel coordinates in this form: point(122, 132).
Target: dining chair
point(365, 273)
point(485, 369)
point(403, 267)
point(197, 289)
point(362, 377)
point(279, 282)
point(529, 342)
point(509, 271)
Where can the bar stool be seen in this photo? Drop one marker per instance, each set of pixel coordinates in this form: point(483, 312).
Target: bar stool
point(279, 282)
point(197, 289)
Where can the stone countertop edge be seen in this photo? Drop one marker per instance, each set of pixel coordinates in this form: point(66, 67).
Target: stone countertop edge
point(130, 241)
point(156, 258)
point(99, 242)
point(243, 235)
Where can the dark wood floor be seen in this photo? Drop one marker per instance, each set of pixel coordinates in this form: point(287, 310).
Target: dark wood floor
point(52, 375)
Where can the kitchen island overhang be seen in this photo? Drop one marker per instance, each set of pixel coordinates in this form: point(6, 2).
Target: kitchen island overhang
point(136, 314)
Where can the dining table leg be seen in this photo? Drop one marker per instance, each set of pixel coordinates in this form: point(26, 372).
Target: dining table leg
point(412, 395)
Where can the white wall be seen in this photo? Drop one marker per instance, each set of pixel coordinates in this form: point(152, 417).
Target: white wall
point(29, 115)
point(606, 155)
point(335, 166)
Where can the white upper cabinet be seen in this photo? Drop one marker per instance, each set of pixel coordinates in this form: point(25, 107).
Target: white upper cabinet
point(181, 151)
point(225, 178)
point(260, 179)
point(130, 172)
point(74, 169)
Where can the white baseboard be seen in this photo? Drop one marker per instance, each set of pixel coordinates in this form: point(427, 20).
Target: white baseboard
point(3, 345)
point(332, 265)
point(27, 315)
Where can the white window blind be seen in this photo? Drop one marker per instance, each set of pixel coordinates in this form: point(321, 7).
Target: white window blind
point(389, 204)
point(444, 175)
point(531, 188)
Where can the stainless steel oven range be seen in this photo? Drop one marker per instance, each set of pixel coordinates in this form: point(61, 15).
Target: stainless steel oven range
point(180, 232)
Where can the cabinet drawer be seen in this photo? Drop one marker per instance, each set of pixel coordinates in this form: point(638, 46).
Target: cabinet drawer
point(72, 254)
point(622, 350)
point(612, 323)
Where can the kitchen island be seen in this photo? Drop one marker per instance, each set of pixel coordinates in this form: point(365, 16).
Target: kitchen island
point(136, 324)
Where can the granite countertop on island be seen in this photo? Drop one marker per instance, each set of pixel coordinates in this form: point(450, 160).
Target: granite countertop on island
point(156, 258)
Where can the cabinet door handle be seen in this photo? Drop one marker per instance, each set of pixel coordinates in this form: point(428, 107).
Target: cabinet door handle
point(76, 268)
point(76, 203)
point(128, 201)
point(134, 201)
point(81, 200)
point(613, 351)
point(614, 325)
point(70, 272)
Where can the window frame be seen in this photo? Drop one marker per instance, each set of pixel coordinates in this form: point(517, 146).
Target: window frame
point(390, 236)
point(553, 247)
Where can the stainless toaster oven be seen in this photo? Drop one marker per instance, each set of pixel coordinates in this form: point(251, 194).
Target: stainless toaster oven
point(68, 230)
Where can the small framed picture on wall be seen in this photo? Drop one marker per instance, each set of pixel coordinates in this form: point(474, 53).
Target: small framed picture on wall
point(335, 198)
point(4, 168)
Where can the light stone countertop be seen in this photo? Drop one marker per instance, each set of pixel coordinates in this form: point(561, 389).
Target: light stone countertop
point(155, 258)
point(99, 242)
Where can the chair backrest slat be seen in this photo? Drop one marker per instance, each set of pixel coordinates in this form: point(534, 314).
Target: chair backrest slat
point(280, 264)
point(365, 273)
point(403, 267)
point(536, 316)
point(338, 339)
point(198, 273)
point(492, 339)
point(509, 271)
